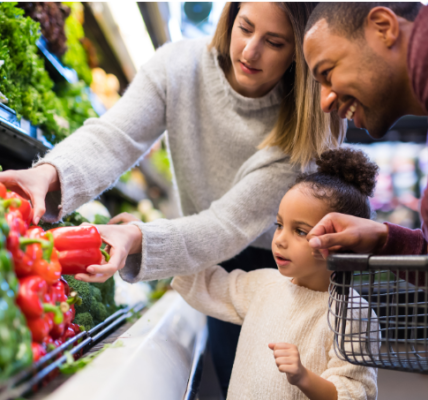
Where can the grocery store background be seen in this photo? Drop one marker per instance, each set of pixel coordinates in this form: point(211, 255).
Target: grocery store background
point(89, 64)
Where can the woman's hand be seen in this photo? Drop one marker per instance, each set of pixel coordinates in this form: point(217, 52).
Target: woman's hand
point(287, 359)
point(121, 240)
point(123, 218)
point(340, 231)
point(33, 184)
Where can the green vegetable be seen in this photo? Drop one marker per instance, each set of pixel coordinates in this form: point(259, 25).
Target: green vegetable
point(15, 338)
point(84, 320)
point(73, 219)
point(23, 78)
point(97, 301)
point(76, 106)
point(76, 56)
point(101, 219)
point(71, 366)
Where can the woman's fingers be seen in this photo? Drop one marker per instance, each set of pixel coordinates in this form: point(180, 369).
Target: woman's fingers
point(123, 218)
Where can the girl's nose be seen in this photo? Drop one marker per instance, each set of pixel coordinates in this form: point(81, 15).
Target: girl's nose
point(252, 50)
point(328, 99)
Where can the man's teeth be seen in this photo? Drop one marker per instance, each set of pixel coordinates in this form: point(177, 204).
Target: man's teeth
point(351, 111)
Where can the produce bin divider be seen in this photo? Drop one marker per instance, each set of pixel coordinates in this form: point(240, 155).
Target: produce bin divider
point(26, 380)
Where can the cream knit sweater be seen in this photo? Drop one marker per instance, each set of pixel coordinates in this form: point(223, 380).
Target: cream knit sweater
point(272, 309)
point(229, 191)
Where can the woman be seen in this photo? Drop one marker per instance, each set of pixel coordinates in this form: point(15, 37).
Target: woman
point(218, 102)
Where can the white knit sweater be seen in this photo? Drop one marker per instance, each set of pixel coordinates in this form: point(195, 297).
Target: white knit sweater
point(271, 309)
point(229, 191)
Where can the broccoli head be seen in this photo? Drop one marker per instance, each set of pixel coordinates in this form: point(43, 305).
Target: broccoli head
point(84, 290)
point(84, 320)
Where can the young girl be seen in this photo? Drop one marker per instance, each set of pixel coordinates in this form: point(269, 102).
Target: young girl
point(285, 350)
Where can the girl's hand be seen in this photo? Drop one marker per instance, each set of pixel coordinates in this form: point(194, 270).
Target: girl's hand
point(287, 359)
point(121, 240)
point(123, 218)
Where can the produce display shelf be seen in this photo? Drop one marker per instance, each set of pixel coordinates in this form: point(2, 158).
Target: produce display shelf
point(32, 377)
point(56, 69)
point(18, 146)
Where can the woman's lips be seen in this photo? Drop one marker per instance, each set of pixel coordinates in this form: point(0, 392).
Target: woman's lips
point(248, 70)
point(281, 261)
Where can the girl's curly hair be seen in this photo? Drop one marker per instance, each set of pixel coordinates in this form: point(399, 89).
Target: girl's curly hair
point(345, 179)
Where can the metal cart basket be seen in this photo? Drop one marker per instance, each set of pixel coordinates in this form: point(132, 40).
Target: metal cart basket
point(378, 310)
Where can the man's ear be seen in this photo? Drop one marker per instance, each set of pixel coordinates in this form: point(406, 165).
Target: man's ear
point(384, 23)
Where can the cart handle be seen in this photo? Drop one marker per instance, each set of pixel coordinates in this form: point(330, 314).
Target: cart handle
point(364, 262)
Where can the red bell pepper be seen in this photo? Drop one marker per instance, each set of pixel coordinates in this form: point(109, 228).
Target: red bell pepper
point(24, 207)
point(69, 333)
point(3, 191)
point(39, 328)
point(79, 247)
point(38, 351)
point(31, 296)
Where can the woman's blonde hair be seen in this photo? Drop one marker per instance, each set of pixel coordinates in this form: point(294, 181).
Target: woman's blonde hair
point(303, 130)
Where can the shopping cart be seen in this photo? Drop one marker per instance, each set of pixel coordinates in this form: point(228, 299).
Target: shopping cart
point(378, 310)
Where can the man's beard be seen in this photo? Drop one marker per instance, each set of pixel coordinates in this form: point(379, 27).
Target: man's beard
point(382, 114)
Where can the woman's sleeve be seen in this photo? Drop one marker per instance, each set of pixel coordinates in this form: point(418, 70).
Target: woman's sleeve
point(91, 159)
point(190, 244)
point(219, 294)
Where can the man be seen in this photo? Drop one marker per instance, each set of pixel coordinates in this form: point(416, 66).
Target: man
point(372, 62)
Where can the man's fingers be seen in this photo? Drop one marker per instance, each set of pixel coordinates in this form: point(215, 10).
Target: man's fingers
point(329, 240)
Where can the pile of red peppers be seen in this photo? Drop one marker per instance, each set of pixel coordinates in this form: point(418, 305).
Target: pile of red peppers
point(39, 259)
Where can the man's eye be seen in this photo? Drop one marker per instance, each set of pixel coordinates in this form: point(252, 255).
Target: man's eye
point(278, 226)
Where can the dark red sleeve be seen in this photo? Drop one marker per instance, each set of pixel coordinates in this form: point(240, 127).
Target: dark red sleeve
point(404, 241)
point(417, 57)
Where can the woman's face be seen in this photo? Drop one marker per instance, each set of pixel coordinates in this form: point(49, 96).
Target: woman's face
point(261, 48)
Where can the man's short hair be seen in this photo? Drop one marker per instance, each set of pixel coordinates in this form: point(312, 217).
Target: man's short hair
point(348, 19)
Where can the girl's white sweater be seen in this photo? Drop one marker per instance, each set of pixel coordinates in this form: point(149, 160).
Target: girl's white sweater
point(272, 309)
point(229, 191)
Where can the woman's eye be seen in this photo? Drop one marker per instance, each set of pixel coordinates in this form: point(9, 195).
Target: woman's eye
point(278, 226)
point(301, 233)
point(277, 45)
point(244, 29)
point(325, 73)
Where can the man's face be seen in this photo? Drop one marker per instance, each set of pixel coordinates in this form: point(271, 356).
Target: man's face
point(356, 81)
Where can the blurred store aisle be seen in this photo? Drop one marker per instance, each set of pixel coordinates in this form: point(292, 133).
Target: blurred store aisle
point(402, 385)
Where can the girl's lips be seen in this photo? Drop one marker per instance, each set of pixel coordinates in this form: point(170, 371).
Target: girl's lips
point(280, 261)
point(248, 70)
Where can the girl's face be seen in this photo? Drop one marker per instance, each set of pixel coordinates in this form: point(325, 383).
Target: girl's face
point(261, 48)
point(298, 213)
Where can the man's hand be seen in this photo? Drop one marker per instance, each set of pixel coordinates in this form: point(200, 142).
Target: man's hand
point(287, 359)
point(340, 231)
point(33, 184)
point(121, 240)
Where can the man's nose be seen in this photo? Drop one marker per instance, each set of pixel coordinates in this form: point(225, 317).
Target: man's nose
point(328, 99)
point(252, 49)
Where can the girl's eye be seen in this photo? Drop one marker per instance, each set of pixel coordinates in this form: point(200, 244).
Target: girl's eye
point(277, 45)
point(301, 233)
point(278, 226)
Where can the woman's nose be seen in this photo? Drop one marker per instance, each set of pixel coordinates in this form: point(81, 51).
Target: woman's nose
point(252, 49)
point(328, 99)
